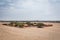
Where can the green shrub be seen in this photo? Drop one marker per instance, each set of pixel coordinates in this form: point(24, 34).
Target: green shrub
point(28, 23)
point(16, 24)
point(11, 23)
point(21, 25)
point(34, 24)
point(31, 24)
point(40, 25)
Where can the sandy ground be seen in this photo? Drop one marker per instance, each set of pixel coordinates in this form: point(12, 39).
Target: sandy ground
point(46, 33)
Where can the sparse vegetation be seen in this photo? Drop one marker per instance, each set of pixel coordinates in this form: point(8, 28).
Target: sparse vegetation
point(12, 23)
point(5, 24)
point(40, 25)
point(17, 24)
point(21, 25)
point(34, 24)
point(27, 24)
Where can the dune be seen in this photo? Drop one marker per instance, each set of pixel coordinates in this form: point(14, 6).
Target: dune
point(46, 33)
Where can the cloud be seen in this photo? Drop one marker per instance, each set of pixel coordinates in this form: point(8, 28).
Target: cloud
point(29, 9)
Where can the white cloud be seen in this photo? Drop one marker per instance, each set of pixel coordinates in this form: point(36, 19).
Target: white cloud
point(31, 10)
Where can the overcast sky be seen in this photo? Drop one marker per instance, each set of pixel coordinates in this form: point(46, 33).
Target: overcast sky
point(29, 9)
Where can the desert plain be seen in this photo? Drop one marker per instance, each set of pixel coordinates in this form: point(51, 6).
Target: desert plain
point(30, 33)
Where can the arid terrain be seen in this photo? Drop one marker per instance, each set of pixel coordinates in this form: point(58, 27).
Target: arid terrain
point(30, 33)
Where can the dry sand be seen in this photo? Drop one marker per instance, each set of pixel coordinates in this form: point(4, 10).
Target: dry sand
point(46, 33)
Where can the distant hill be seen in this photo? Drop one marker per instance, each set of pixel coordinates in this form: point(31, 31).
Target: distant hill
point(32, 21)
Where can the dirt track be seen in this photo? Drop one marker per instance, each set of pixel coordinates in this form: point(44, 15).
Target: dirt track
point(46, 33)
